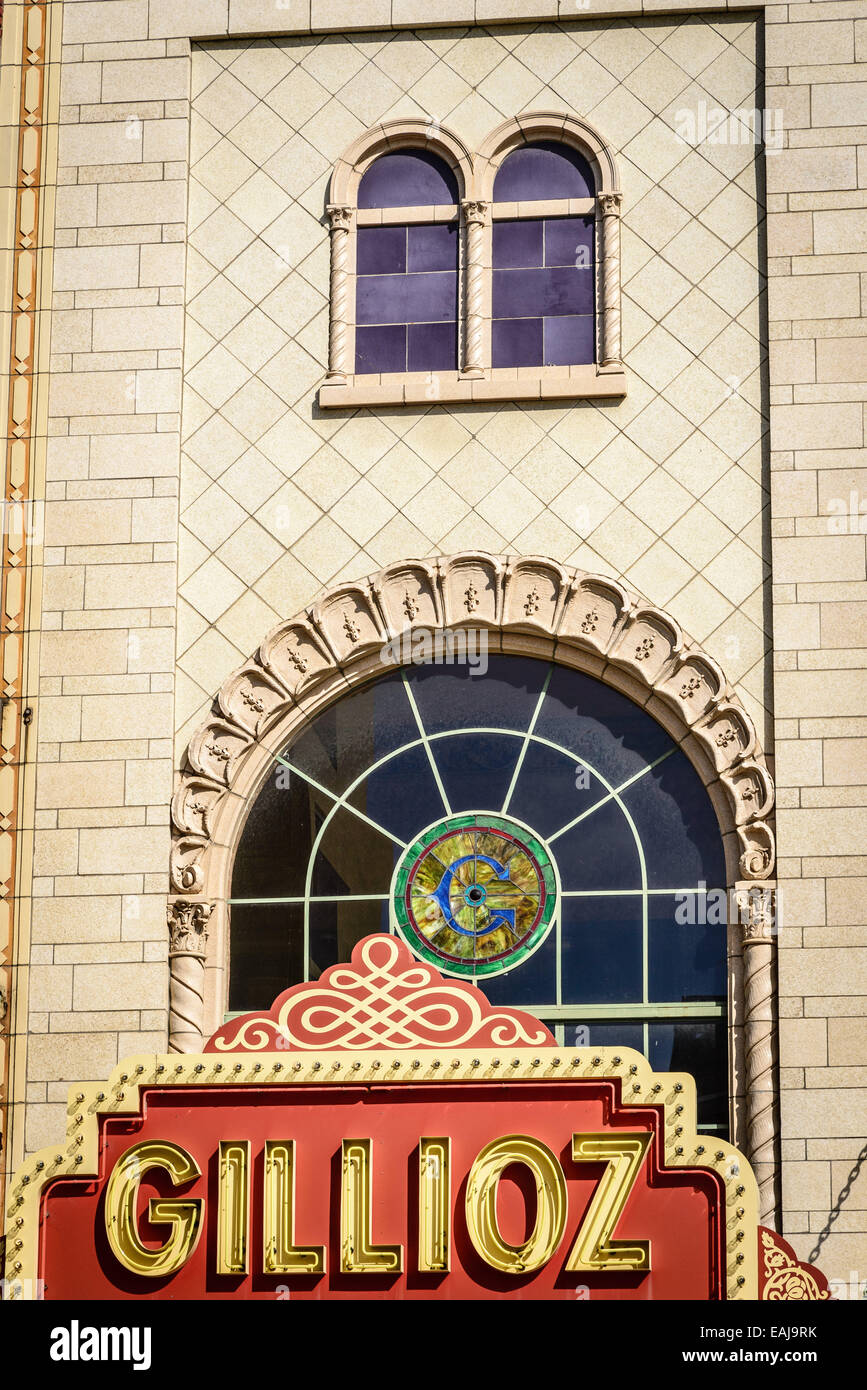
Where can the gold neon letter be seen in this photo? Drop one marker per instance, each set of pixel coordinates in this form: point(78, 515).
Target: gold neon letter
point(233, 1210)
point(481, 1204)
point(282, 1256)
point(594, 1249)
point(184, 1217)
point(434, 1205)
point(358, 1254)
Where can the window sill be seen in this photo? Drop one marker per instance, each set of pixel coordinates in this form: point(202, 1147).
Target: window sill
point(586, 382)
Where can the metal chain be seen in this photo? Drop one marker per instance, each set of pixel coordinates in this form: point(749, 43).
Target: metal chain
point(835, 1210)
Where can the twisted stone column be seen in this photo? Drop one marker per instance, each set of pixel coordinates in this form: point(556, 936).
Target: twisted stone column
point(756, 907)
point(188, 941)
point(476, 217)
point(609, 206)
point(338, 327)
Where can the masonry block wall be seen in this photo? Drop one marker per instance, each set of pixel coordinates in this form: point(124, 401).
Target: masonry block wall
point(188, 335)
point(817, 256)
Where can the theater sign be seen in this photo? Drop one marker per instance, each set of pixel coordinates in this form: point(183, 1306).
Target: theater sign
point(387, 1133)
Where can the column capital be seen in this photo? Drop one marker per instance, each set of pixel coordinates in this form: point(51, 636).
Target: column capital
point(755, 911)
point(188, 930)
point(475, 211)
point(610, 204)
point(339, 217)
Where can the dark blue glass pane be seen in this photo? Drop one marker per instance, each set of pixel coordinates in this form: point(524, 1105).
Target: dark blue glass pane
point(502, 697)
point(432, 347)
point(267, 953)
point(552, 789)
point(335, 928)
point(407, 298)
point(525, 293)
point(354, 732)
point(476, 769)
point(401, 795)
point(617, 1033)
point(517, 342)
point(687, 959)
point(380, 349)
point(259, 872)
point(352, 856)
point(600, 725)
point(531, 984)
point(677, 825)
point(381, 250)
point(408, 178)
point(543, 170)
point(518, 244)
point(569, 241)
point(698, 1048)
point(570, 341)
point(599, 853)
point(432, 247)
point(601, 950)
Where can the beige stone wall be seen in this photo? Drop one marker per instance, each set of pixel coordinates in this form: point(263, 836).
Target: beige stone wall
point(817, 250)
point(664, 490)
point(273, 502)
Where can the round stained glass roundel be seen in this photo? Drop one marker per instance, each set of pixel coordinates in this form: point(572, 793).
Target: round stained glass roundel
point(475, 895)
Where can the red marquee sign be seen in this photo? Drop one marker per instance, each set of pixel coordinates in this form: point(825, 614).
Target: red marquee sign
point(387, 1133)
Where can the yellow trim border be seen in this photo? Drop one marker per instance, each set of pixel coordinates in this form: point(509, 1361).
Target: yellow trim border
point(78, 1155)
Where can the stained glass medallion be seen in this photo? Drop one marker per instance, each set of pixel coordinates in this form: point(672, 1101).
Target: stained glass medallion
point(475, 895)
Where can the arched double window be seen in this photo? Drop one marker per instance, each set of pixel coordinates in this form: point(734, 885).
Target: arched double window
point(486, 277)
point(533, 831)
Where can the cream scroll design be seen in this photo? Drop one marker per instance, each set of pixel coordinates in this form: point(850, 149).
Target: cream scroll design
point(384, 998)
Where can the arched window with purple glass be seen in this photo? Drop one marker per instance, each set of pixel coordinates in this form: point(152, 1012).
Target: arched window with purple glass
point(407, 260)
point(543, 259)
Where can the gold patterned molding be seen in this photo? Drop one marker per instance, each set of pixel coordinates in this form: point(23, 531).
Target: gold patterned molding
point(25, 56)
point(78, 1155)
point(529, 605)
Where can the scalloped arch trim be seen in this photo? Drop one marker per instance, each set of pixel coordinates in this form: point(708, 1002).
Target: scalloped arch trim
point(527, 604)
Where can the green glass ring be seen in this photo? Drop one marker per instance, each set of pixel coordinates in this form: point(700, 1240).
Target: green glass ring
point(475, 894)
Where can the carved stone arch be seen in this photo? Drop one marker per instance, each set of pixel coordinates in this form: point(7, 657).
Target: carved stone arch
point(532, 126)
point(396, 135)
point(529, 605)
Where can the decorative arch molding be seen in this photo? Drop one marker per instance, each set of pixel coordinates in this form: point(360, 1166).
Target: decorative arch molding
point(397, 135)
point(529, 605)
point(533, 126)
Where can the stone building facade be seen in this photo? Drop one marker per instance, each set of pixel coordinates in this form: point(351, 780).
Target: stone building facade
point(177, 489)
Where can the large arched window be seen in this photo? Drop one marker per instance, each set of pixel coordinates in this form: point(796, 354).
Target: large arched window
point(543, 259)
point(531, 829)
point(406, 312)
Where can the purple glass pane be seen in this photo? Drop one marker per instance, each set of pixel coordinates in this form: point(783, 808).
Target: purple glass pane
point(405, 179)
point(569, 241)
point(432, 347)
point(427, 298)
point(380, 349)
point(525, 293)
point(517, 244)
point(381, 250)
point(517, 342)
point(569, 341)
point(433, 247)
point(546, 170)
